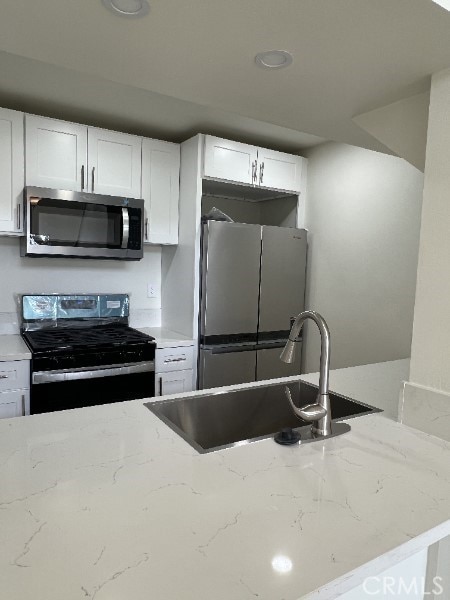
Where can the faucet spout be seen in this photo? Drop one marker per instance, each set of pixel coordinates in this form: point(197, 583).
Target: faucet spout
point(320, 413)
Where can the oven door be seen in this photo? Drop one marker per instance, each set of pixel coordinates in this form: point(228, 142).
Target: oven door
point(72, 224)
point(64, 389)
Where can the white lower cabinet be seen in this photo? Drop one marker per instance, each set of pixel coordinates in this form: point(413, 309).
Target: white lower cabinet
point(14, 404)
point(174, 370)
point(174, 382)
point(14, 388)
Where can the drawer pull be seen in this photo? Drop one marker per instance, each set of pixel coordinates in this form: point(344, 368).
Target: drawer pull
point(171, 360)
point(4, 376)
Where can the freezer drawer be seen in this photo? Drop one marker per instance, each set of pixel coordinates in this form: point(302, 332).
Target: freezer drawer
point(283, 266)
point(269, 365)
point(226, 368)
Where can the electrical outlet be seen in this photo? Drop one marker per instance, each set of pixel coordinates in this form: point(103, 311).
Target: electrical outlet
point(152, 291)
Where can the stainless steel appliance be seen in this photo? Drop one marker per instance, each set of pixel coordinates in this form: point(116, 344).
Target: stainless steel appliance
point(84, 353)
point(252, 287)
point(81, 225)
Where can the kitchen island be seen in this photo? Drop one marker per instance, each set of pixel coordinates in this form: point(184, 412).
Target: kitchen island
point(107, 502)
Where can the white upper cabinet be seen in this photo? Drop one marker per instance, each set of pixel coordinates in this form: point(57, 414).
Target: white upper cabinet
point(56, 154)
point(259, 167)
point(160, 190)
point(278, 170)
point(114, 163)
point(69, 156)
point(232, 161)
point(11, 170)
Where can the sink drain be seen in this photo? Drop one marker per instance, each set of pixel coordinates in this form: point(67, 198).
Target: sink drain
point(287, 437)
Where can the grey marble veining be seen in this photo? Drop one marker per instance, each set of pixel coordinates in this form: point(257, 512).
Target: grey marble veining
point(107, 502)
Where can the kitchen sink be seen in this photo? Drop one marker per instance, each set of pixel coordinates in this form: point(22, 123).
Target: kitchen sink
point(217, 420)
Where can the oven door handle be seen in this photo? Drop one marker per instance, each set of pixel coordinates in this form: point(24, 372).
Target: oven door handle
point(125, 227)
point(64, 375)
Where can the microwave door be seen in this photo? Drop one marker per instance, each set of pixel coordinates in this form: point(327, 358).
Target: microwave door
point(72, 224)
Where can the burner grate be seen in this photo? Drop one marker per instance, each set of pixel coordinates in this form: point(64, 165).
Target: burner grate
point(85, 337)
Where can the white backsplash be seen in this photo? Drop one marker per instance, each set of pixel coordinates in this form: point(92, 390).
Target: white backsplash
point(9, 323)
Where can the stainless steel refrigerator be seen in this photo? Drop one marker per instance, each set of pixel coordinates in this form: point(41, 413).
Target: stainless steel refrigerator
point(252, 286)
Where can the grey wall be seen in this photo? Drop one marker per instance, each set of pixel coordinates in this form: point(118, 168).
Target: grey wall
point(363, 215)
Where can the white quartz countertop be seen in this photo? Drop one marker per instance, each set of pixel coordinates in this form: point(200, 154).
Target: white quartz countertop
point(165, 338)
point(109, 503)
point(12, 347)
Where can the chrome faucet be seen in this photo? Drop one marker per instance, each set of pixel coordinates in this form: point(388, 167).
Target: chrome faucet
point(318, 414)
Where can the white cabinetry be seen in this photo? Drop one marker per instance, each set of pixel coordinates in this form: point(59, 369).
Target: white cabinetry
point(74, 157)
point(259, 167)
point(14, 388)
point(114, 163)
point(56, 154)
point(11, 170)
point(160, 190)
point(174, 370)
point(278, 170)
point(232, 161)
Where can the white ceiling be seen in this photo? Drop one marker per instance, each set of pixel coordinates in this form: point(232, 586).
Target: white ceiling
point(350, 56)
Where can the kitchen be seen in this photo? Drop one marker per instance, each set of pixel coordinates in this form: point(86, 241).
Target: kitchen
point(152, 307)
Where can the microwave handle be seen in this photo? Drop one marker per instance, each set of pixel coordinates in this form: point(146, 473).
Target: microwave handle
point(125, 227)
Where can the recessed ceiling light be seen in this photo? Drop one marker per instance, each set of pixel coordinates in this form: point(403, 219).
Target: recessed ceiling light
point(273, 59)
point(127, 8)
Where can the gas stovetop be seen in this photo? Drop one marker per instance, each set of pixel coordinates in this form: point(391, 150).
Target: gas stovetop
point(53, 339)
point(83, 330)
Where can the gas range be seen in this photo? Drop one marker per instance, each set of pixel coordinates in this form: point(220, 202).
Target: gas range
point(84, 352)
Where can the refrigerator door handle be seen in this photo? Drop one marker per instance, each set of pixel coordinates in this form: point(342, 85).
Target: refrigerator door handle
point(231, 349)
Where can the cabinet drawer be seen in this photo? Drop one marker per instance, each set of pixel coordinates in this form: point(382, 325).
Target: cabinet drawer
point(174, 359)
point(14, 375)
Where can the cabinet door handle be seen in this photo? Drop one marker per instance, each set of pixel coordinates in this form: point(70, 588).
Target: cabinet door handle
point(93, 178)
point(23, 405)
point(261, 173)
point(18, 217)
point(160, 387)
point(82, 177)
point(146, 229)
point(254, 171)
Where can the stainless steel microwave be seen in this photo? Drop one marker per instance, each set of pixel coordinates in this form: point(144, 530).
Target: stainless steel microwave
point(81, 225)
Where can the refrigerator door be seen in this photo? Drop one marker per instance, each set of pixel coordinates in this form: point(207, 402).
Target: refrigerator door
point(219, 368)
point(283, 270)
point(230, 282)
point(269, 365)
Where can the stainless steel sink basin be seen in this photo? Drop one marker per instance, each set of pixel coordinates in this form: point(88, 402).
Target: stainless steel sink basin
point(219, 420)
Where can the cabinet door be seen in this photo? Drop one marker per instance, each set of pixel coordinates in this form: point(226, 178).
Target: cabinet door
point(14, 404)
point(56, 154)
point(160, 190)
point(114, 163)
point(232, 161)
point(174, 382)
point(11, 170)
point(278, 170)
